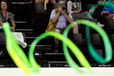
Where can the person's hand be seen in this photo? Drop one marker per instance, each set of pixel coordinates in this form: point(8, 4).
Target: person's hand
point(63, 12)
point(13, 29)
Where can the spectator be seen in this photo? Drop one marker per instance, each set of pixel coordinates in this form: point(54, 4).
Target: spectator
point(108, 14)
point(108, 11)
point(6, 16)
point(59, 19)
point(74, 7)
point(61, 15)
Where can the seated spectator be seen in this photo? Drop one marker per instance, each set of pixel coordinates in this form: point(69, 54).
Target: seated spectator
point(59, 19)
point(59, 14)
point(6, 16)
point(75, 7)
point(108, 11)
point(108, 14)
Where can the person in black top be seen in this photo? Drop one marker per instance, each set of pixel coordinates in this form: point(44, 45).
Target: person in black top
point(6, 16)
